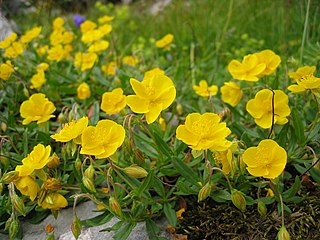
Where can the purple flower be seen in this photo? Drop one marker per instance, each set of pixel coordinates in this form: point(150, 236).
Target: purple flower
point(78, 19)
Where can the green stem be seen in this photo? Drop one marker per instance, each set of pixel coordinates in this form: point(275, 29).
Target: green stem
point(304, 31)
point(225, 175)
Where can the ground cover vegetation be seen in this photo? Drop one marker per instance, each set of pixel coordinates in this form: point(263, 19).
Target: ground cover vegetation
point(208, 107)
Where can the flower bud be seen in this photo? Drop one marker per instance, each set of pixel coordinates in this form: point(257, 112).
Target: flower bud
point(18, 204)
point(77, 164)
point(4, 161)
point(13, 229)
point(115, 207)
point(262, 209)
point(4, 126)
point(204, 192)
point(238, 199)
point(52, 184)
point(87, 182)
point(179, 109)
point(54, 161)
point(76, 227)
point(89, 172)
point(10, 177)
point(135, 171)
point(61, 118)
point(49, 228)
point(1, 187)
point(162, 123)
point(283, 234)
point(50, 237)
point(26, 92)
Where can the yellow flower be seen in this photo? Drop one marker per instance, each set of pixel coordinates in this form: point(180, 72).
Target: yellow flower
point(53, 201)
point(67, 37)
point(38, 79)
point(85, 61)
point(37, 108)
point(105, 29)
point(153, 95)
point(43, 66)
point(130, 60)
point(270, 193)
point(56, 53)
point(204, 90)
point(179, 213)
point(260, 108)
point(113, 102)
point(58, 23)
point(267, 160)
point(231, 93)
point(305, 79)
point(6, 69)
point(27, 186)
point(154, 71)
point(83, 91)
point(270, 59)
point(99, 46)
point(203, 132)
point(91, 36)
point(71, 131)
point(103, 140)
point(224, 158)
point(87, 26)
point(8, 40)
point(42, 50)
point(165, 42)
point(15, 50)
point(110, 68)
point(56, 37)
point(31, 34)
point(105, 19)
point(37, 159)
point(248, 70)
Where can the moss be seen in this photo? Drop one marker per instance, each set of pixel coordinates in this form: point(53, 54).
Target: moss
point(209, 220)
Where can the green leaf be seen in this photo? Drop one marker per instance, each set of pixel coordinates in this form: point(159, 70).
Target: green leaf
point(115, 227)
point(266, 200)
point(162, 145)
point(98, 220)
point(158, 187)
point(152, 229)
point(185, 171)
point(147, 183)
point(124, 232)
point(293, 190)
point(298, 126)
point(170, 214)
point(315, 174)
point(221, 196)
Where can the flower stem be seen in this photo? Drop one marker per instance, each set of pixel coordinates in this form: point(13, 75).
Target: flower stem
point(304, 31)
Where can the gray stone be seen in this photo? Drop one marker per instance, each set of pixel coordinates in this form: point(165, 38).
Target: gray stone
point(5, 27)
point(62, 226)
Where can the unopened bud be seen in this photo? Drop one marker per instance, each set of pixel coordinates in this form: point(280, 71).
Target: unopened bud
point(238, 199)
point(115, 207)
point(162, 123)
point(8, 223)
point(52, 184)
point(89, 172)
point(61, 118)
point(49, 228)
point(283, 234)
point(4, 161)
point(76, 227)
point(1, 188)
point(77, 164)
point(135, 171)
point(262, 209)
point(54, 161)
point(26, 92)
point(87, 182)
point(204, 192)
point(10, 177)
point(18, 204)
point(179, 109)
point(13, 229)
point(4, 126)
point(50, 237)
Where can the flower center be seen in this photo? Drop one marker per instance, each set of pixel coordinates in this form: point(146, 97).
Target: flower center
point(201, 126)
